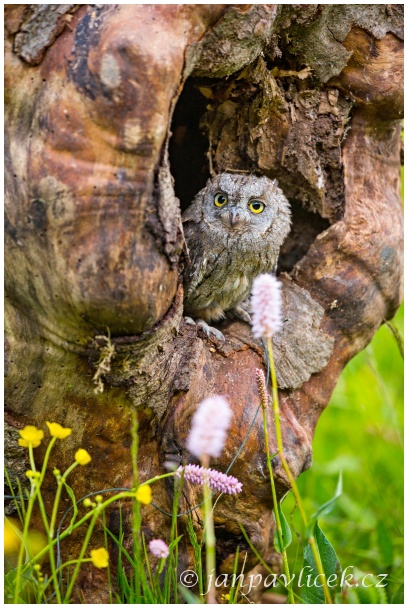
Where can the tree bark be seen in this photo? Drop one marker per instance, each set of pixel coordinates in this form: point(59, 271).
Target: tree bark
point(105, 105)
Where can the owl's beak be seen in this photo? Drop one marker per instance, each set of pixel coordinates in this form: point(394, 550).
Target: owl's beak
point(235, 217)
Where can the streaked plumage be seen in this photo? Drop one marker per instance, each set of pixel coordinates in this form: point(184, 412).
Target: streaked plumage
point(229, 244)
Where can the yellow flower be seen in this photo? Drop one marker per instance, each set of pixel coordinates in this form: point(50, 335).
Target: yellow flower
point(33, 474)
point(30, 434)
point(100, 557)
point(144, 494)
point(34, 543)
point(11, 537)
point(225, 597)
point(57, 430)
point(82, 456)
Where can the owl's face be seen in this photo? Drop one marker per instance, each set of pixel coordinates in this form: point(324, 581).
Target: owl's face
point(243, 204)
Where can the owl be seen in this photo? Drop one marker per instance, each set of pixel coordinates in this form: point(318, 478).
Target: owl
point(234, 229)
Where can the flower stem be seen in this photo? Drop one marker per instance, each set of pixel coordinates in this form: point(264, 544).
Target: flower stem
point(310, 538)
point(173, 559)
point(35, 486)
point(82, 553)
point(157, 478)
point(136, 515)
point(46, 458)
point(23, 545)
point(209, 536)
point(276, 511)
point(105, 538)
point(51, 527)
point(50, 546)
point(60, 484)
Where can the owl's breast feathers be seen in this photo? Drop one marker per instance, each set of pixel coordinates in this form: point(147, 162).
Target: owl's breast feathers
point(221, 271)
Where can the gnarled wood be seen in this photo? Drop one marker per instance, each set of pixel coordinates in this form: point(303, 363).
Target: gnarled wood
point(94, 240)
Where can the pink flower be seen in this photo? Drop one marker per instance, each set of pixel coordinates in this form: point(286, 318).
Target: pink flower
point(263, 394)
point(209, 427)
point(159, 548)
point(215, 479)
point(266, 303)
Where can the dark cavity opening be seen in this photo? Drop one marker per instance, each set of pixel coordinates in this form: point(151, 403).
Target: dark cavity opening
point(188, 146)
point(305, 228)
point(188, 149)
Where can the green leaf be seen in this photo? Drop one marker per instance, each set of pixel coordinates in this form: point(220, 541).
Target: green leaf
point(74, 506)
point(188, 595)
point(312, 592)
point(385, 544)
point(398, 597)
point(122, 550)
point(174, 543)
point(27, 584)
point(286, 533)
point(328, 506)
point(367, 589)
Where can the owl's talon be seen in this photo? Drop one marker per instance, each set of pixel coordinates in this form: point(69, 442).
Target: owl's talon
point(210, 332)
point(241, 314)
point(189, 321)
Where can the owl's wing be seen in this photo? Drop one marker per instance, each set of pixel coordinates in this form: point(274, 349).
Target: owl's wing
point(195, 271)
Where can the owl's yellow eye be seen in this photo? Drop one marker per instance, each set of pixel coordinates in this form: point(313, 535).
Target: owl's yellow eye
point(256, 206)
point(220, 199)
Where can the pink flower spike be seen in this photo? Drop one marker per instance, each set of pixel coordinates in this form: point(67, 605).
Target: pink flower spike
point(266, 303)
point(215, 479)
point(209, 427)
point(159, 548)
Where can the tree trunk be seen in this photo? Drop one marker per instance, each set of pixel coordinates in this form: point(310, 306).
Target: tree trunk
point(116, 115)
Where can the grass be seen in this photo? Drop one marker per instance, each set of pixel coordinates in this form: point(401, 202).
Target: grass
point(360, 434)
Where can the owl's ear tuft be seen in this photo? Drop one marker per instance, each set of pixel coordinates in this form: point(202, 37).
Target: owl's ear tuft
point(193, 213)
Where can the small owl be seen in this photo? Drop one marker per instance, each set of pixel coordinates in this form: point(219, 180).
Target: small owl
point(234, 229)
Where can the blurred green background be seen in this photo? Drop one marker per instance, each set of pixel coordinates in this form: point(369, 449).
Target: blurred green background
point(360, 434)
